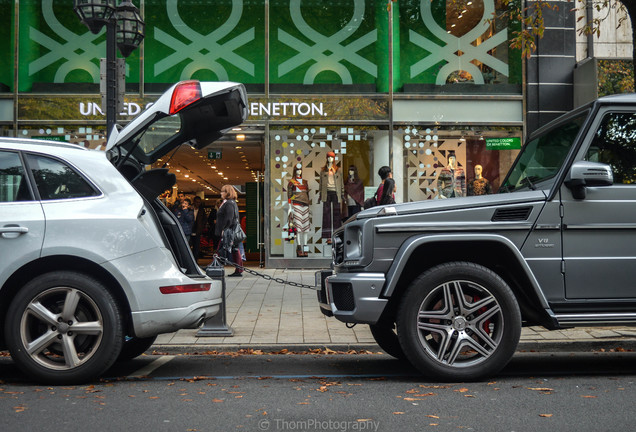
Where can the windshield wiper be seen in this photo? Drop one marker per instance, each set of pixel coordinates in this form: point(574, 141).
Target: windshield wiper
point(530, 184)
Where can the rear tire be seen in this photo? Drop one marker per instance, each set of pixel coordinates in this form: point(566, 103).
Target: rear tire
point(64, 327)
point(387, 339)
point(459, 322)
point(134, 347)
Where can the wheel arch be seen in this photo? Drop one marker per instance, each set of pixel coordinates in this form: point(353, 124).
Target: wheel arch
point(494, 252)
point(59, 263)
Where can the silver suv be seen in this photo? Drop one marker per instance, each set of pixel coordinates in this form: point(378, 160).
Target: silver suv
point(93, 266)
point(448, 284)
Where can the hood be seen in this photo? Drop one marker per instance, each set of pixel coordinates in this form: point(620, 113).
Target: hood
point(439, 205)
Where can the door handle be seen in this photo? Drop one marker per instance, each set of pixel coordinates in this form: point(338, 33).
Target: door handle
point(12, 231)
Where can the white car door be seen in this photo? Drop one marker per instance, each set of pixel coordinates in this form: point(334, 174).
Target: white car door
point(21, 216)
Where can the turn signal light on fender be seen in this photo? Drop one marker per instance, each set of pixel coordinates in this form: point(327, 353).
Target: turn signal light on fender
point(178, 289)
point(184, 94)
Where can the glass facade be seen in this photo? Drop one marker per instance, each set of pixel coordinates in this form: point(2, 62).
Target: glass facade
point(403, 86)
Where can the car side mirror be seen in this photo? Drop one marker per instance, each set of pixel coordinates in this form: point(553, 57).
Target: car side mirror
point(583, 174)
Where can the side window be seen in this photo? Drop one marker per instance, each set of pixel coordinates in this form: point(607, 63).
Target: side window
point(615, 144)
point(56, 180)
point(13, 183)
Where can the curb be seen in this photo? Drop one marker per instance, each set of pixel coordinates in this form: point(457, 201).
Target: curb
point(607, 345)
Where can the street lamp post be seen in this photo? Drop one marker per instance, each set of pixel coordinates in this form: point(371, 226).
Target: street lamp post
point(124, 30)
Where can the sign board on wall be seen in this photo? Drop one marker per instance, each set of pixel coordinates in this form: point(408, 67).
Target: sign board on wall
point(510, 143)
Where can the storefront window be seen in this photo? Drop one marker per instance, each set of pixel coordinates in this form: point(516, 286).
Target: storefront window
point(441, 163)
point(457, 47)
point(92, 137)
point(300, 190)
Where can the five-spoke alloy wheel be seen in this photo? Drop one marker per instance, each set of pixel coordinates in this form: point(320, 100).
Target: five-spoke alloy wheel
point(64, 327)
point(459, 321)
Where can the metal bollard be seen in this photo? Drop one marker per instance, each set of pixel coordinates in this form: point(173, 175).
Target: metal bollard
point(217, 325)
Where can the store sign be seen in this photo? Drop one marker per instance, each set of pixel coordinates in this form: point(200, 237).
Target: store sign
point(319, 108)
point(511, 143)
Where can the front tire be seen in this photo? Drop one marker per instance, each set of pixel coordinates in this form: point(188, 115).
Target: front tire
point(64, 328)
point(459, 322)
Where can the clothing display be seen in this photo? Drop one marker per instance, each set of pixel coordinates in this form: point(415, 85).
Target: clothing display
point(354, 192)
point(298, 198)
point(479, 186)
point(331, 195)
point(451, 183)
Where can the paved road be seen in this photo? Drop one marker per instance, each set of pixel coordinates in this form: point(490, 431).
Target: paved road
point(369, 391)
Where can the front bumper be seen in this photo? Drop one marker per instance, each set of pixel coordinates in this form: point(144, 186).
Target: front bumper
point(352, 297)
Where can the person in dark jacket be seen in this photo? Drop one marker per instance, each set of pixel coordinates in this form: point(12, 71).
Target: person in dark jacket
point(226, 218)
point(200, 221)
point(186, 217)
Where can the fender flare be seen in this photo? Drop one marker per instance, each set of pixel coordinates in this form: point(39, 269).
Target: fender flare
point(409, 246)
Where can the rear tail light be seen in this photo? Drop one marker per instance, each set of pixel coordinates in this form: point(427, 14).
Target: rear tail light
point(184, 94)
point(178, 289)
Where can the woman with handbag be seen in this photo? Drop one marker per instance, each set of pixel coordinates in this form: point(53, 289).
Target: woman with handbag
point(227, 219)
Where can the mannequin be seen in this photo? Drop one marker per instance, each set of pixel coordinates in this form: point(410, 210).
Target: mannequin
point(452, 180)
point(479, 185)
point(331, 195)
point(354, 191)
point(298, 215)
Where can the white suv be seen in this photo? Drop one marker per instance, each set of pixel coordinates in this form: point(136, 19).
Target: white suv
point(93, 266)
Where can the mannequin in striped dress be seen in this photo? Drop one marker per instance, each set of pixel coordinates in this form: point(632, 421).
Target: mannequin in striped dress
point(298, 199)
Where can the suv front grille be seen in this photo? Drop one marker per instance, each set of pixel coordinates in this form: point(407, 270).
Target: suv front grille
point(511, 214)
point(338, 248)
point(343, 296)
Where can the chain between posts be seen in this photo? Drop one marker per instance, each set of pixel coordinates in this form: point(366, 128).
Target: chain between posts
point(264, 276)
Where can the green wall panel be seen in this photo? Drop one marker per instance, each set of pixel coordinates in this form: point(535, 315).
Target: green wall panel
point(56, 48)
point(326, 42)
point(207, 40)
point(6, 45)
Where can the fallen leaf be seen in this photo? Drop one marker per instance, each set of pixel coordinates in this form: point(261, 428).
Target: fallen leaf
point(364, 420)
point(462, 390)
point(398, 412)
point(545, 415)
point(543, 389)
point(432, 416)
point(590, 397)
point(215, 400)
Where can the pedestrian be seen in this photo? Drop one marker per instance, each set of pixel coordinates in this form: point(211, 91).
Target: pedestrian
point(199, 225)
point(227, 218)
point(185, 215)
point(386, 190)
point(212, 224)
point(177, 205)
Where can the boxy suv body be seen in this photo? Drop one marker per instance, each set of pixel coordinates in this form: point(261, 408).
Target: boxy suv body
point(448, 284)
point(93, 265)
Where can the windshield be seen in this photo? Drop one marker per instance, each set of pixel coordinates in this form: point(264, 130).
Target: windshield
point(542, 158)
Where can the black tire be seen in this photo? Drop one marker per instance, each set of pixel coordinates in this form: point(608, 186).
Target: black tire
point(459, 322)
point(134, 347)
point(64, 327)
point(387, 339)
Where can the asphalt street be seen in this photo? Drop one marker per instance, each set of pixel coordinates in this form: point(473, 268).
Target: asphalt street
point(317, 391)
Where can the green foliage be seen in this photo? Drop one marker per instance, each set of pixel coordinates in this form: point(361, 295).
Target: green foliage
point(615, 76)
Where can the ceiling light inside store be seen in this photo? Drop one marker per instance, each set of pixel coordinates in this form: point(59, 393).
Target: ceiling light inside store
point(240, 137)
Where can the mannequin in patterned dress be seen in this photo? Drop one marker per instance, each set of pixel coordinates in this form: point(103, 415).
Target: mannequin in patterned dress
point(298, 216)
point(479, 185)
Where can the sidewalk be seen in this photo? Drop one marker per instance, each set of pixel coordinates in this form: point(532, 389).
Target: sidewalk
point(267, 315)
